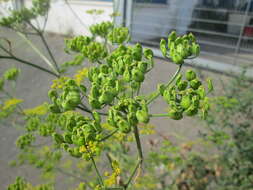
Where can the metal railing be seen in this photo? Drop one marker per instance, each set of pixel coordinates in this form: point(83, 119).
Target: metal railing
point(226, 39)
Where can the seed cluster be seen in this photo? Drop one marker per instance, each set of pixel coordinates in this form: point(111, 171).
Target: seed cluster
point(179, 48)
point(186, 96)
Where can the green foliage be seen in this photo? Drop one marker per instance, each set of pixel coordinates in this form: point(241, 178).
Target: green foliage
point(11, 74)
point(230, 129)
point(22, 184)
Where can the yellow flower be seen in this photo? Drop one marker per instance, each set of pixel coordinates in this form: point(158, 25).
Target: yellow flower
point(38, 110)
point(11, 102)
point(60, 82)
point(82, 149)
point(81, 75)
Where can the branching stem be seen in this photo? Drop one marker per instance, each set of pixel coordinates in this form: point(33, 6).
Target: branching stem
point(156, 93)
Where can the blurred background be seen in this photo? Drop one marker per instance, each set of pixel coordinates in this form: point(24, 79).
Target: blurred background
point(223, 28)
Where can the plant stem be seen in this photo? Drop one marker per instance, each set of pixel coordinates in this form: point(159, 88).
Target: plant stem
point(140, 155)
point(159, 115)
point(108, 136)
point(138, 143)
point(48, 50)
point(97, 172)
point(38, 52)
point(132, 175)
point(156, 93)
point(89, 111)
point(30, 64)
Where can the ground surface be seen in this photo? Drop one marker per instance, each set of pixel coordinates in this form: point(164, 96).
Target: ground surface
point(33, 85)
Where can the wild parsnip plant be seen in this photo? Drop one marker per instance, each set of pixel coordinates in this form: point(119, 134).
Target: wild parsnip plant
point(100, 109)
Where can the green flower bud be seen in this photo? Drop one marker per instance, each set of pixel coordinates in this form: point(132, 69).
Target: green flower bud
point(195, 83)
point(191, 37)
point(192, 110)
point(178, 40)
point(167, 95)
point(95, 104)
point(75, 152)
point(186, 101)
point(137, 52)
point(190, 75)
point(137, 75)
point(67, 105)
point(83, 89)
point(195, 49)
point(67, 138)
point(106, 98)
point(104, 69)
point(135, 85)
point(201, 92)
point(54, 108)
point(119, 35)
point(148, 54)
point(96, 116)
point(52, 94)
point(94, 90)
point(195, 101)
point(71, 123)
point(175, 114)
point(163, 47)
point(74, 97)
point(132, 120)
point(178, 59)
point(11, 74)
point(143, 66)
point(127, 75)
point(182, 85)
point(142, 116)
point(172, 36)
point(57, 138)
point(124, 126)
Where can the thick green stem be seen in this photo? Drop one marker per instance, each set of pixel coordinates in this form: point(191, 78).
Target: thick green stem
point(30, 64)
point(157, 93)
point(138, 143)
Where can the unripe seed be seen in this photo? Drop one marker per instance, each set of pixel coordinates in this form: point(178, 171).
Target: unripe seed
point(142, 116)
point(190, 75)
point(195, 83)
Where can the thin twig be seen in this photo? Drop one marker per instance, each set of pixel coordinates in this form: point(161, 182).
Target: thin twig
point(156, 94)
point(108, 136)
point(30, 64)
point(97, 171)
point(38, 52)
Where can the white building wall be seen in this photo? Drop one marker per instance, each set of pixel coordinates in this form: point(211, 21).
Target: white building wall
point(63, 21)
